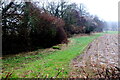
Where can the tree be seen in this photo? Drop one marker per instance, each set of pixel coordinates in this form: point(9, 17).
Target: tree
point(26, 27)
point(82, 10)
point(100, 24)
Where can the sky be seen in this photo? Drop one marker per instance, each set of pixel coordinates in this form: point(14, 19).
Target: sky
point(105, 9)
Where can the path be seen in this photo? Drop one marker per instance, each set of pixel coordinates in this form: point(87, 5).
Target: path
point(101, 55)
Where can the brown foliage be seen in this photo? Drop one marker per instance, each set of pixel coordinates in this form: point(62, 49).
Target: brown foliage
point(35, 28)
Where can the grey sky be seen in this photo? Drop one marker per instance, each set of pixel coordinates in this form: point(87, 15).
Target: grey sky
point(105, 9)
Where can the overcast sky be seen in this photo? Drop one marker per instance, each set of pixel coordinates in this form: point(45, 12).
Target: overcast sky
point(105, 9)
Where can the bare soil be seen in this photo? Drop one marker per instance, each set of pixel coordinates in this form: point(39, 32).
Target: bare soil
point(99, 60)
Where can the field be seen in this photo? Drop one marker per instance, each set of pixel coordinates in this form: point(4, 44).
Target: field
point(46, 62)
point(51, 39)
point(99, 60)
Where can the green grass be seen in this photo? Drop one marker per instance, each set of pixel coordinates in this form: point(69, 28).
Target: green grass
point(112, 32)
point(46, 63)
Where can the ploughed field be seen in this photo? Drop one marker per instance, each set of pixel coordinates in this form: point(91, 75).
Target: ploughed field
point(100, 60)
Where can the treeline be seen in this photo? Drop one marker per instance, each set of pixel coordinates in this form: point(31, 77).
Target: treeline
point(27, 26)
point(111, 26)
point(77, 19)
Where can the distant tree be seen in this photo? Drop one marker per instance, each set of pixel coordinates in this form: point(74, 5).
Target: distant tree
point(100, 24)
point(82, 10)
